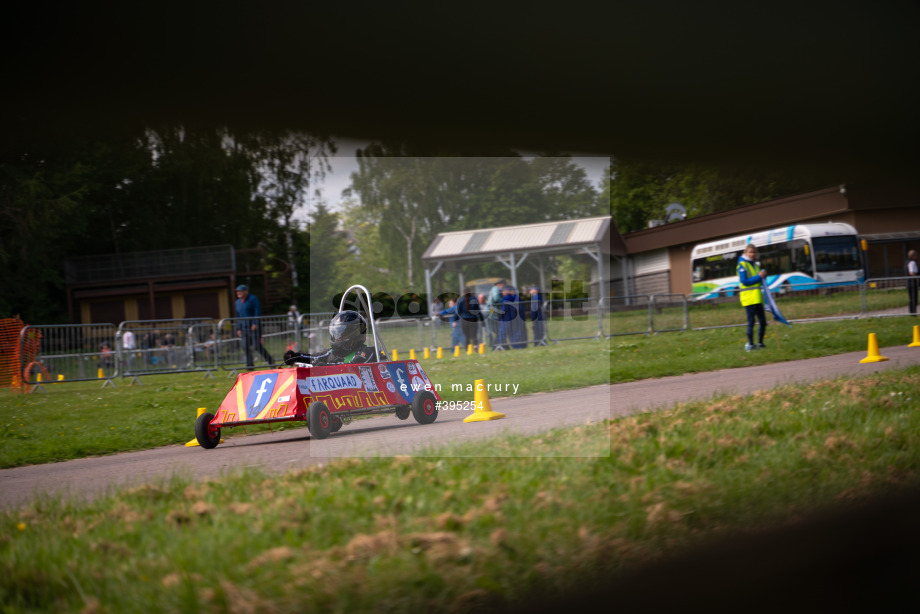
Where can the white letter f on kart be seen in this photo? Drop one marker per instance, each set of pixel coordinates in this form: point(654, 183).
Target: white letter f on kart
point(260, 392)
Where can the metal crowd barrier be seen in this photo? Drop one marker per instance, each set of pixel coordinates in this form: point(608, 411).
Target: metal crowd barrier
point(53, 354)
point(802, 303)
point(102, 352)
point(403, 334)
point(267, 343)
point(887, 297)
point(149, 347)
point(668, 313)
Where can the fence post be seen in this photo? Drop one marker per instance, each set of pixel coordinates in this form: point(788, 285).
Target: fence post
point(600, 316)
point(651, 316)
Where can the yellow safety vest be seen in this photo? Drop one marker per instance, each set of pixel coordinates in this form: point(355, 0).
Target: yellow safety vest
point(751, 295)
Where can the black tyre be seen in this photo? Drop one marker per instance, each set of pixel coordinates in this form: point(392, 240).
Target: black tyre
point(208, 437)
point(424, 408)
point(403, 411)
point(320, 420)
point(336, 424)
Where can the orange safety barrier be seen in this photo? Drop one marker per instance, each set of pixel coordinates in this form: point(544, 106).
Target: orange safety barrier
point(11, 353)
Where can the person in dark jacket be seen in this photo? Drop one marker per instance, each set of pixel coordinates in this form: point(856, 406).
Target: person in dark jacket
point(512, 333)
point(537, 317)
point(914, 281)
point(468, 309)
point(249, 327)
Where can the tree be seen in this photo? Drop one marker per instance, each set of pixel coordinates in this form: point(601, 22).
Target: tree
point(641, 191)
point(289, 163)
point(328, 252)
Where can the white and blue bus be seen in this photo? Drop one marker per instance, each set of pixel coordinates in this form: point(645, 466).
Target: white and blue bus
point(800, 257)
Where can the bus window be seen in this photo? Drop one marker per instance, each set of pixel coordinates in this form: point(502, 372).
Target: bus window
point(836, 253)
point(801, 258)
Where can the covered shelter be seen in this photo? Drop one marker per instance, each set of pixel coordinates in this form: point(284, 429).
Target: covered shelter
point(514, 246)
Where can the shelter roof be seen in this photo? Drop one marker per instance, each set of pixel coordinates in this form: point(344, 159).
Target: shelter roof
point(544, 237)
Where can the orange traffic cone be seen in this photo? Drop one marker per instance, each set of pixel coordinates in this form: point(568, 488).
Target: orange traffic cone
point(916, 342)
point(873, 355)
point(482, 408)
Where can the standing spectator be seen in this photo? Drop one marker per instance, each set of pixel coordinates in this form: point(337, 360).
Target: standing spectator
point(293, 316)
point(437, 306)
point(518, 331)
point(494, 312)
point(128, 345)
point(470, 316)
point(169, 347)
point(249, 330)
point(106, 355)
point(456, 335)
point(537, 316)
point(751, 279)
point(913, 282)
point(512, 334)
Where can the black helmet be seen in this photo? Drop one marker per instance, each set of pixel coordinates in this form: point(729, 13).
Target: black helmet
point(347, 331)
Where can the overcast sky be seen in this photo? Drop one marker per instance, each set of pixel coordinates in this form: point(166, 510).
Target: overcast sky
point(344, 164)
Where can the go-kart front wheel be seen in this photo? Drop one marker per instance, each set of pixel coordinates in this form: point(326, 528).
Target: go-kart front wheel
point(319, 420)
point(208, 437)
point(424, 408)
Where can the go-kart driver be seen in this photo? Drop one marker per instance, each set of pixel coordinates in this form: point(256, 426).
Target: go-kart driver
point(347, 333)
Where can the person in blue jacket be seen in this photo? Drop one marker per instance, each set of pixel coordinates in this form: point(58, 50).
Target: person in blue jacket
point(537, 316)
point(456, 333)
point(249, 327)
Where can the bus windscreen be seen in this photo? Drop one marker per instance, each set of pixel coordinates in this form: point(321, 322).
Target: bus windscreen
point(836, 253)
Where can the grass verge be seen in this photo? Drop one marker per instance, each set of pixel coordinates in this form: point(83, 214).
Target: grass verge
point(447, 534)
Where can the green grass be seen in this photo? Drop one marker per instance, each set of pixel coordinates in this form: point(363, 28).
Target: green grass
point(446, 534)
point(78, 419)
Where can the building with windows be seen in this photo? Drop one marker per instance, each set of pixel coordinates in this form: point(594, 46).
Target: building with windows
point(193, 282)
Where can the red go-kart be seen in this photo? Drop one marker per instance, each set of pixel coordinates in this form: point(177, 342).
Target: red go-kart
point(327, 397)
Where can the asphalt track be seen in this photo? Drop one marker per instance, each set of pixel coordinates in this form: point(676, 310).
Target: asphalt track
point(388, 436)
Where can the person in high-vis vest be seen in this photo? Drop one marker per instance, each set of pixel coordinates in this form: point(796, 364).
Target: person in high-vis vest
point(751, 291)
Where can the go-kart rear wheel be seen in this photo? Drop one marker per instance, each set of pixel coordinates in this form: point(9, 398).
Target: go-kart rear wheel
point(403, 411)
point(320, 420)
point(424, 408)
point(208, 437)
point(336, 424)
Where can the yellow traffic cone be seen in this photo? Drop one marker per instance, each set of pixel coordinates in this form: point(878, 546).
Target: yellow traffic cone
point(60, 377)
point(412, 354)
point(873, 355)
point(395, 354)
point(482, 348)
point(916, 342)
point(456, 350)
point(100, 373)
point(440, 353)
point(194, 442)
point(469, 349)
point(426, 353)
point(38, 377)
point(482, 408)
